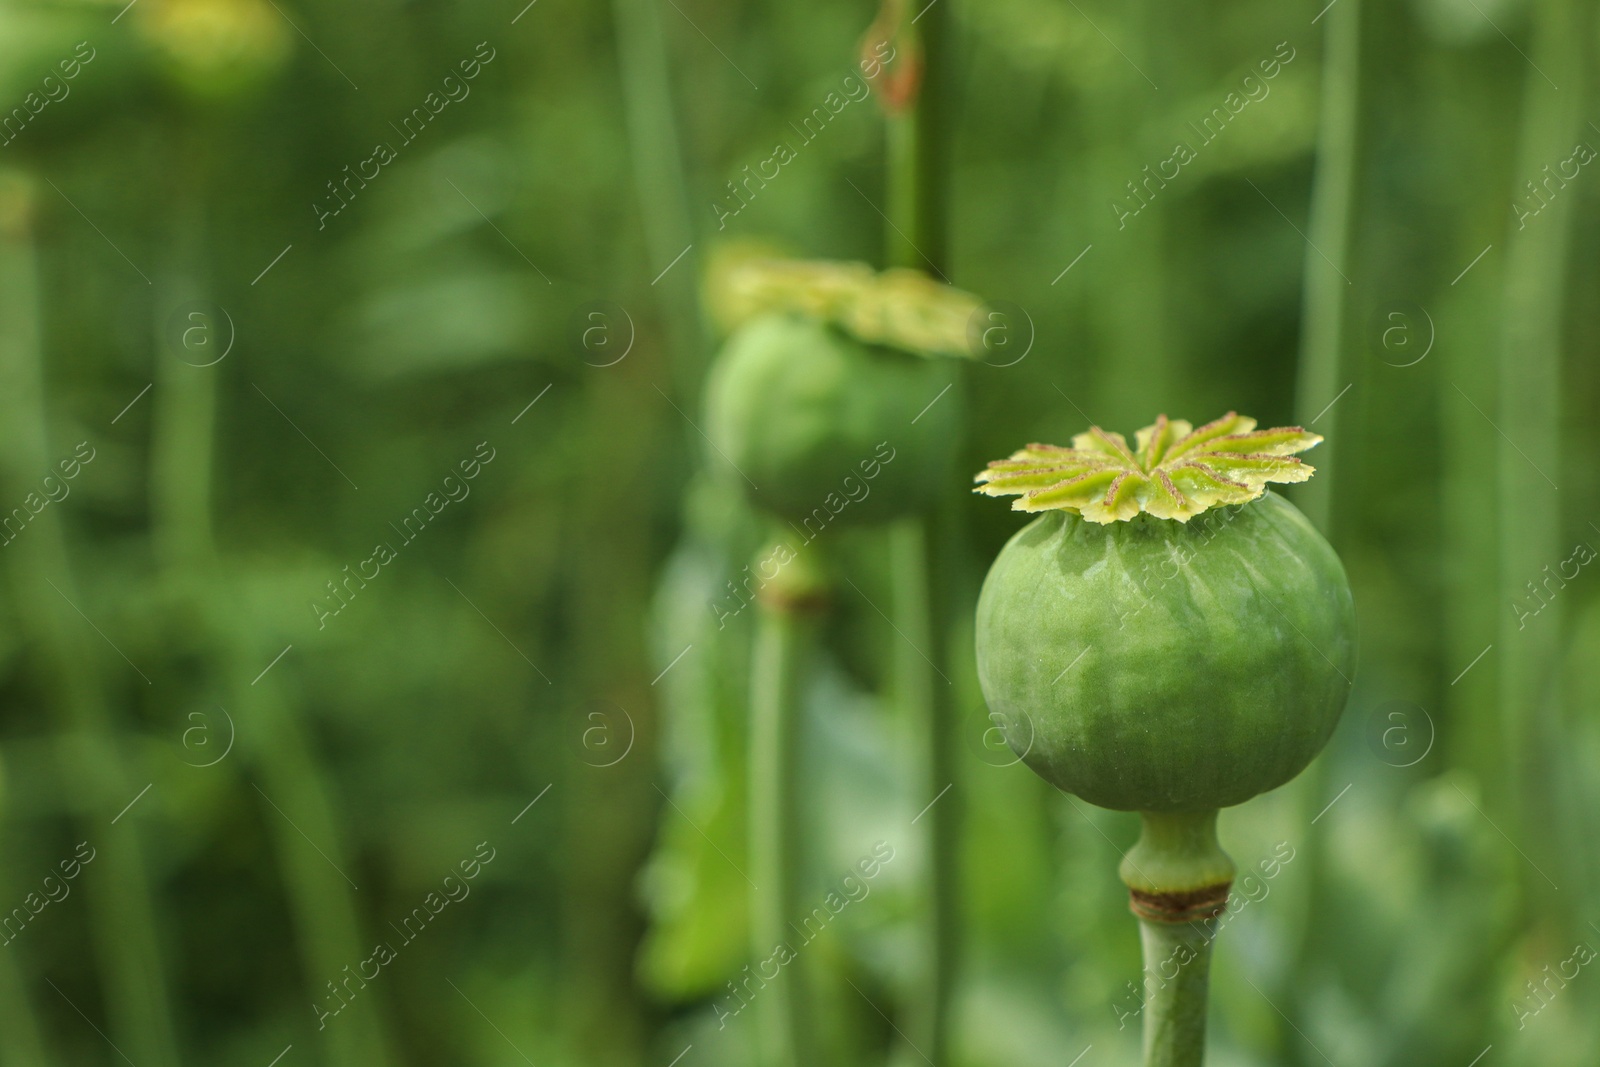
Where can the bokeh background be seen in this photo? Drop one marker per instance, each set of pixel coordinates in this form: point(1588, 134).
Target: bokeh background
point(227, 371)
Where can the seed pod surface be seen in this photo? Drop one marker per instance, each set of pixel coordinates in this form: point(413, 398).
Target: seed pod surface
point(1156, 665)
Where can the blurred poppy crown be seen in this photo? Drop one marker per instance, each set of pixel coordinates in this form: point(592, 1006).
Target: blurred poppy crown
point(901, 308)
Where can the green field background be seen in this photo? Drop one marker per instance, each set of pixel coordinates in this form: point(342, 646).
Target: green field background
point(362, 549)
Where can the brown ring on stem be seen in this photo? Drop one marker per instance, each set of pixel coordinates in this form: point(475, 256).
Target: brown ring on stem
point(790, 602)
point(1190, 905)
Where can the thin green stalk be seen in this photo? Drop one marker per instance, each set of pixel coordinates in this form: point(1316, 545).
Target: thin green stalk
point(946, 563)
point(901, 194)
point(784, 644)
point(1128, 268)
point(908, 575)
point(935, 117)
point(181, 455)
point(321, 900)
point(1529, 418)
point(183, 444)
point(918, 137)
point(1470, 516)
point(606, 1011)
point(1321, 373)
point(97, 783)
point(926, 711)
point(1327, 256)
point(659, 178)
point(20, 1039)
point(916, 236)
point(1178, 879)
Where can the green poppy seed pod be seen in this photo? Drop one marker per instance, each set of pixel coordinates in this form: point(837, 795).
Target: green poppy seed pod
point(1155, 666)
point(1148, 660)
point(826, 428)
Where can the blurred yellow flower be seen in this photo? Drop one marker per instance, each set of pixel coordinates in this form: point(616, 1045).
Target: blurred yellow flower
point(215, 47)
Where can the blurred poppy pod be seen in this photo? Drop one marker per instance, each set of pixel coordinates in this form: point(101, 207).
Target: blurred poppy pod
point(826, 428)
point(215, 49)
point(827, 398)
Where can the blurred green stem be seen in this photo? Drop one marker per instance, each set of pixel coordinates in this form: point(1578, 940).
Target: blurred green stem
point(183, 444)
point(96, 777)
point(1320, 381)
point(1327, 254)
point(659, 178)
point(1529, 420)
point(20, 1039)
point(784, 644)
point(603, 649)
point(1128, 272)
point(321, 900)
point(926, 711)
point(900, 188)
point(918, 138)
point(180, 448)
point(916, 236)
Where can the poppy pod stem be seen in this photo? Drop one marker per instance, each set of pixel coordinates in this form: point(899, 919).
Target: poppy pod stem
point(790, 608)
point(914, 548)
point(1178, 878)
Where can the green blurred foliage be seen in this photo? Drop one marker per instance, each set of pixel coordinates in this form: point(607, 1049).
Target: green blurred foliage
point(514, 653)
